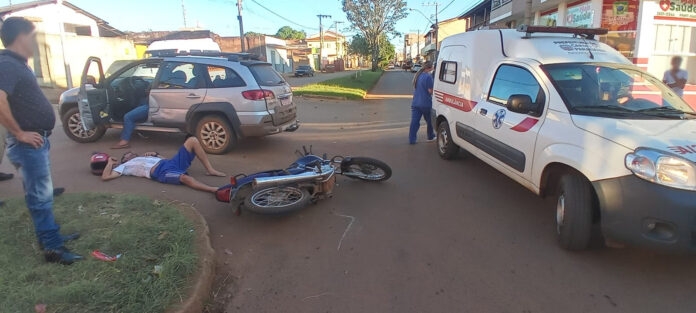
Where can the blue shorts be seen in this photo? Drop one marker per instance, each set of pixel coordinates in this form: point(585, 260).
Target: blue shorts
point(169, 171)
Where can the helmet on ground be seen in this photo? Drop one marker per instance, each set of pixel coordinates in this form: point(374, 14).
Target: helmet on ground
point(97, 163)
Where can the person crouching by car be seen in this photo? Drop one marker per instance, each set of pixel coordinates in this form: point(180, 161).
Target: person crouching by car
point(422, 102)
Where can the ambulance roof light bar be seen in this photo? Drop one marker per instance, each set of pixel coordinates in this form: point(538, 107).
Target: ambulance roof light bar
point(588, 33)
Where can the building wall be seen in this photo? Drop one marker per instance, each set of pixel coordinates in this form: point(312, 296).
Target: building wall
point(48, 63)
point(48, 18)
point(50, 70)
point(452, 28)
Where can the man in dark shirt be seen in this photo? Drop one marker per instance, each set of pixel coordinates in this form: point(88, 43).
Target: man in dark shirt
point(29, 118)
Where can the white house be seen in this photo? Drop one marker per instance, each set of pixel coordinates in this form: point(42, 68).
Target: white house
point(84, 35)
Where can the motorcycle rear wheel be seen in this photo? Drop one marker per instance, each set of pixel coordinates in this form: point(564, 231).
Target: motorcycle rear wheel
point(367, 169)
point(277, 200)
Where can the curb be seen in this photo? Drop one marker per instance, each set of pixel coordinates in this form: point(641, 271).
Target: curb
point(322, 97)
point(199, 293)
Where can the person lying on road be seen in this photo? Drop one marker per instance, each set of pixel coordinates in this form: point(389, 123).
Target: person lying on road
point(167, 171)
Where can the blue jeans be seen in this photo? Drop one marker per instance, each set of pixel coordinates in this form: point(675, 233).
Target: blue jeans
point(35, 166)
point(138, 114)
point(416, 114)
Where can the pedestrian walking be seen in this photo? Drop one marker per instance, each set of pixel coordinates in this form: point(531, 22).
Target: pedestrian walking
point(675, 77)
point(29, 119)
point(422, 103)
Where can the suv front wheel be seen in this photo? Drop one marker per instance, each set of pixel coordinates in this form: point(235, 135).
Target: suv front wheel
point(72, 125)
point(215, 134)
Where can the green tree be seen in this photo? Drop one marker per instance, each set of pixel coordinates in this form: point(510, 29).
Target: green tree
point(358, 45)
point(287, 32)
point(374, 18)
point(253, 34)
point(387, 51)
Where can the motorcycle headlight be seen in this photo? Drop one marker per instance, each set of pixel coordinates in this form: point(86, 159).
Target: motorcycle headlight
point(662, 168)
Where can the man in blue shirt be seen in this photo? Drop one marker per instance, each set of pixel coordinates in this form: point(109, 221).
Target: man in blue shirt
point(29, 118)
point(422, 102)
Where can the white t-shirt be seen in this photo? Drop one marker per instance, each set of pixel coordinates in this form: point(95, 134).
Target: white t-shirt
point(138, 167)
point(669, 79)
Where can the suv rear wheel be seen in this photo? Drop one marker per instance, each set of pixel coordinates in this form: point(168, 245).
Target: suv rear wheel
point(72, 125)
point(215, 134)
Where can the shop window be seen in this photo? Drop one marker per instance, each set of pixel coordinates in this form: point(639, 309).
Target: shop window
point(622, 41)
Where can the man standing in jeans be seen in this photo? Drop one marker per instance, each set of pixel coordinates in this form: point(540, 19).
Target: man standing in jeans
point(29, 118)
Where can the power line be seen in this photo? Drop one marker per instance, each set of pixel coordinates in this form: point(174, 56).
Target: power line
point(447, 6)
point(280, 16)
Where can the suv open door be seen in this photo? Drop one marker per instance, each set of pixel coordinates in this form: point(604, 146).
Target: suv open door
point(92, 100)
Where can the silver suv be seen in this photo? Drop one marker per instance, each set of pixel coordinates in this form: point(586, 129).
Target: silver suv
point(218, 99)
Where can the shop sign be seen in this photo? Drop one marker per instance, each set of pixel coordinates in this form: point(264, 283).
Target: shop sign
point(683, 9)
point(620, 15)
point(581, 15)
point(549, 19)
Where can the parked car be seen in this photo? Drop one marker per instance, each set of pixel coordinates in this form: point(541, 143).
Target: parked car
point(217, 99)
point(304, 70)
point(416, 68)
point(571, 118)
point(406, 66)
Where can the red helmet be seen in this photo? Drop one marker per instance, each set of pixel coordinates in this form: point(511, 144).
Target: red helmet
point(97, 163)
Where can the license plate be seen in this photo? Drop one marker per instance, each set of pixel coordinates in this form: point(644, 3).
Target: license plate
point(285, 101)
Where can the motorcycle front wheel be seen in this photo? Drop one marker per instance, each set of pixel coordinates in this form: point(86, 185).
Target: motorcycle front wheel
point(277, 200)
point(367, 169)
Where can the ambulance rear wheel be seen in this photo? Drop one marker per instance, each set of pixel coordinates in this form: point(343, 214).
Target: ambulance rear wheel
point(446, 147)
point(574, 209)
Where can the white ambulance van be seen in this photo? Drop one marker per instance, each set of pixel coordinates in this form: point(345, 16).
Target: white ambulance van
point(567, 116)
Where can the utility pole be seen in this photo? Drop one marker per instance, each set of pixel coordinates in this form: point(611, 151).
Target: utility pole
point(242, 40)
point(183, 12)
point(336, 25)
point(321, 38)
point(436, 5)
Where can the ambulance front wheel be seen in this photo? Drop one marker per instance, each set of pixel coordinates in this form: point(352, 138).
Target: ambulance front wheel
point(446, 147)
point(574, 209)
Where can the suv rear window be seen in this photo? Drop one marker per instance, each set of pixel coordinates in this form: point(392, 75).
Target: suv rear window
point(265, 75)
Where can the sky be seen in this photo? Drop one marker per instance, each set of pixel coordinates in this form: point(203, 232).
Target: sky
point(220, 16)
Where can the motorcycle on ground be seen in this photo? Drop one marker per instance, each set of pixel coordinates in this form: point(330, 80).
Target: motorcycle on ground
point(309, 179)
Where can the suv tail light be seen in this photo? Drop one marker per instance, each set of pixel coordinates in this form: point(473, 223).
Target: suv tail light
point(258, 94)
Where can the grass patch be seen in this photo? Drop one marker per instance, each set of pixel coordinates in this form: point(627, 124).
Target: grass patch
point(145, 232)
point(348, 87)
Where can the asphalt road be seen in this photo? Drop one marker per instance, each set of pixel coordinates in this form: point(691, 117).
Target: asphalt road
point(440, 236)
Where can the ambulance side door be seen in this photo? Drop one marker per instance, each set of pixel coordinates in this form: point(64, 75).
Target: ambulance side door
point(509, 118)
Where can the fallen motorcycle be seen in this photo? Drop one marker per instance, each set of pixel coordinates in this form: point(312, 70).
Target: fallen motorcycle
point(308, 180)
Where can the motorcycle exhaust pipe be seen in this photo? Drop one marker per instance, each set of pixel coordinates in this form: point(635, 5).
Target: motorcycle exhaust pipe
point(266, 182)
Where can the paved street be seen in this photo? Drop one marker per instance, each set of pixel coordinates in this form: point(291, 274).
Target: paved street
point(440, 236)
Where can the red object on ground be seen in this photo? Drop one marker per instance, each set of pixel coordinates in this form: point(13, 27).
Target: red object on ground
point(104, 257)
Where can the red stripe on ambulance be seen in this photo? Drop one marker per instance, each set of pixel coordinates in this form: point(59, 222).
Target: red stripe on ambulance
point(455, 102)
point(525, 125)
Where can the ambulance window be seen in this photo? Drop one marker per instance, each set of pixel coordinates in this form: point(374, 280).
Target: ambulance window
point(448, 72)
point(513, 80)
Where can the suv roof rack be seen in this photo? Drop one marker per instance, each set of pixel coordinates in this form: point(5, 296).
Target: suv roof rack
point(231, 56)
point(588, 33)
